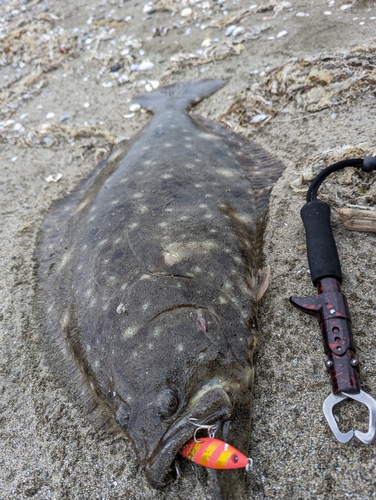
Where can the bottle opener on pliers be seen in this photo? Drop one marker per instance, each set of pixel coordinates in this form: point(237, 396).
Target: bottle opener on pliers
point(330, 306)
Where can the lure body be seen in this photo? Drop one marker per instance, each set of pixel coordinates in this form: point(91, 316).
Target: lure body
point(215, 454)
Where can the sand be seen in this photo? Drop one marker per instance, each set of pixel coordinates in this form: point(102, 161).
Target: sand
point(55, 61)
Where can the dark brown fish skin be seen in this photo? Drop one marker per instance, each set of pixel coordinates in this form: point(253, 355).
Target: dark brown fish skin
point(164, 231)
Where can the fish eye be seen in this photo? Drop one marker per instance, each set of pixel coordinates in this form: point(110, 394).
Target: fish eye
point(122, 415)
point(235, 458)
point(168, 403)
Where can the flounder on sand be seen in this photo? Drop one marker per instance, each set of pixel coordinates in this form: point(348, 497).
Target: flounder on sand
point(151, 271)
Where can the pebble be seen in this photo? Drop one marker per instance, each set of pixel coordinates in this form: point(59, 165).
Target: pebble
point(186, 12)
point(134, 107)
point(50, 115)
point(14, 158)
point(54, 177)
point(86, 104)
point(129, 115)
point(281, 34)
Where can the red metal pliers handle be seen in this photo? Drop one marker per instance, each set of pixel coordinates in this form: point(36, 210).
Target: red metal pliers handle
point(330, 307)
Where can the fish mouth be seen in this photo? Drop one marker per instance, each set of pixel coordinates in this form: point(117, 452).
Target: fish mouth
point(213, 408)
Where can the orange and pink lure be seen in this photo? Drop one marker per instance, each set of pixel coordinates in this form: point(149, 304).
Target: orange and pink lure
point(216, 454)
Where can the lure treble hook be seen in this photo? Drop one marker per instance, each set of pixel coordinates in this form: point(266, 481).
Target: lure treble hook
point(330, 306)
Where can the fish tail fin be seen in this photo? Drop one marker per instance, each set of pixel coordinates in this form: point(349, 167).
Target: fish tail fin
point(180, 96)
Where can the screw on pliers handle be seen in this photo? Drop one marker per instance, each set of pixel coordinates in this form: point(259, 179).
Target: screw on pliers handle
point(330, 308)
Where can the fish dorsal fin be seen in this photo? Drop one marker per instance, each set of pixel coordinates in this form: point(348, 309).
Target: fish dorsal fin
point(262, 280)
point(261, 169)
point(180, 96)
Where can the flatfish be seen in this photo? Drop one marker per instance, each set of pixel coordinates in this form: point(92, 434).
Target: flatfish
point(150, 273)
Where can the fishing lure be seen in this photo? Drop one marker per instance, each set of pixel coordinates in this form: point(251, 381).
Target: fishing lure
point(330, 306)
point(216, 454)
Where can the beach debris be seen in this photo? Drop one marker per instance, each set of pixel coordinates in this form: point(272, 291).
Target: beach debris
point(54, 178)
point(357, 219)
point(308, 85)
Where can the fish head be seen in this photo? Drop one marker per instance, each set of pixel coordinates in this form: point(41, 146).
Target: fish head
point(179, 370)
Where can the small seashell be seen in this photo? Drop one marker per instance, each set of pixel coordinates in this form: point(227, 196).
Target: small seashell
point(64, 117)
point(123, 79)
point(127, 19)
point(148, 8)
point(19, 128)
point(124, 52)
point(186, 12)
point(154, 84)
point(282, 34)
point(54, 177)
point(129, 115)
point(134, 107)
point(86, 104)
point(14, 158)
point(206, 43)
point(258, 118)
point(50, 115)
point(106, 84)
point(146, 66)
point(327, 13)
point(230, 29)
point(48, 141)
point(238, 31)
point(148, 87)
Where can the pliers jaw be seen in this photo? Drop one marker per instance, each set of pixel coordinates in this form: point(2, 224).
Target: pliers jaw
point(345, 437)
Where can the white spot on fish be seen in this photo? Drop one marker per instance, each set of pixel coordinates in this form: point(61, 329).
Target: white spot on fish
point(166, 176)
point(156, 332)
point(150, 346)
point(198, 185)
point(129, 332)
point(137, 195)
point(167, 145)
point(180, 347)
point(123, 286)
point(222, 300)
point(145, 306)
point(225, 172)
point(103, 242)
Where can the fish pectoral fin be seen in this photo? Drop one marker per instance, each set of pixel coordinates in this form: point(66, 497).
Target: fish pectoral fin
point(261, 282)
